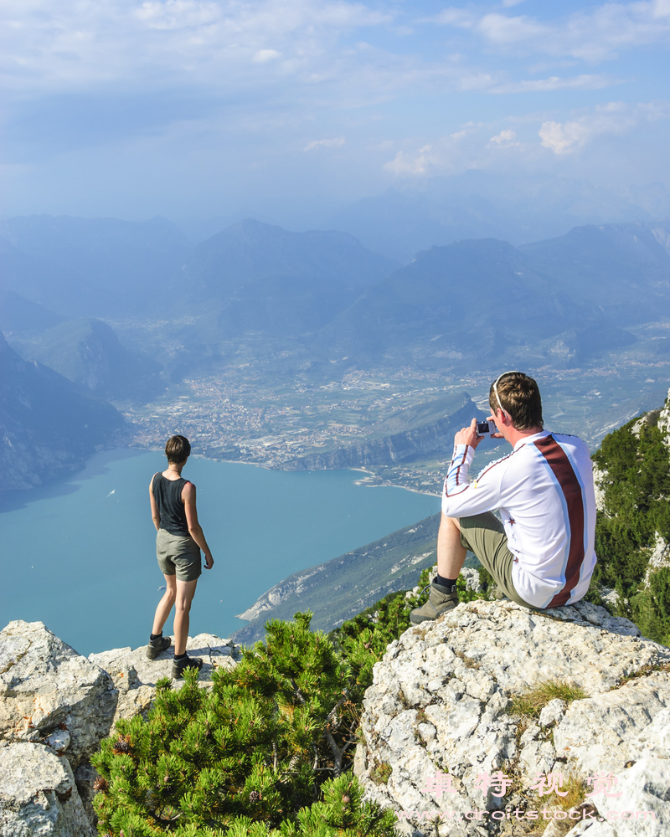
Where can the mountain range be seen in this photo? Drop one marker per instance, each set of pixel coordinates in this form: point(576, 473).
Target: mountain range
point(478, 204)
point(256, 277)
point(47, 424)
point(471, 303)
point(87, 352)
point(478, 300)
point(99, 267)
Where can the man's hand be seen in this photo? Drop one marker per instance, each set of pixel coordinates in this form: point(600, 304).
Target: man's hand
point(209, 561)
point(468, 435)
point(496, 420)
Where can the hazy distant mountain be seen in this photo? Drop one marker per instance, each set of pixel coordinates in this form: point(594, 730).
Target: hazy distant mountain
point(468, 300)
point(19, 314)
point(83, 267)
point(88, 352)
point(256, 277)
point(46, 425)
point(623, 269)
point(474, 301)
point(479, 204)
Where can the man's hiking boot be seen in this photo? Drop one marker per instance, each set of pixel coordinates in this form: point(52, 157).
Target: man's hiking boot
point(441, 600)
point(180, 666)
point(157, 646)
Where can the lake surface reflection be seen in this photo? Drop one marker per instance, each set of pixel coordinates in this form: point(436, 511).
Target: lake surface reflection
point(79, 555)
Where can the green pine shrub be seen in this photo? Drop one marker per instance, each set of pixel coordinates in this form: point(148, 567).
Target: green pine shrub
point(264, 752)
point(651, 607)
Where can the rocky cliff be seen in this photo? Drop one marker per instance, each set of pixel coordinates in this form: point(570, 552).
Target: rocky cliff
point(491, 721)
point(55, 707)
point(433, 437)
point(473, 718)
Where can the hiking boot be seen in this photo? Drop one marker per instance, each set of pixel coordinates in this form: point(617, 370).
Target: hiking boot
point(441, 600)
point(180, 666)
point(157, 646)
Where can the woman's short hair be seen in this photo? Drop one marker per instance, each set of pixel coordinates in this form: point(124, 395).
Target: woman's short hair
point(177, 449)
point(520, 398)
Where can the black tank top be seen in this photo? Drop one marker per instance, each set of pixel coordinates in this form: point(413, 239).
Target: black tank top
point(167, 494)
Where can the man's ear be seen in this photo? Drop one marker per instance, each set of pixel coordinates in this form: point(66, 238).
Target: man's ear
point(504, 418)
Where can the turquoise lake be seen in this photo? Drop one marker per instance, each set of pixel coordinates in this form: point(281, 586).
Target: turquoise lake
point(79, 555)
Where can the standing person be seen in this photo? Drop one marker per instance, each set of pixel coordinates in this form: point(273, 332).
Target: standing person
point(179, 540)
point(542, 554)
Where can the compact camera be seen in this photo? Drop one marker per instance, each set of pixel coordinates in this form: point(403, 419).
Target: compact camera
point(485, 428)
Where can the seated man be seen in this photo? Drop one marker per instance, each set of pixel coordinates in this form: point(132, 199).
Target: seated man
point(542, 554)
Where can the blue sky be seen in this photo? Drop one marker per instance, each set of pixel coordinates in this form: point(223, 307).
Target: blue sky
point(216, 107)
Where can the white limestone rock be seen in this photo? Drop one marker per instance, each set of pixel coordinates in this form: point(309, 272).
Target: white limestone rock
point(663, 423)
point(552, 712)
point(45, 686)
point(59, 741)
point(440, 705)
point(642, 810)
point(471, 577)
point(65, 703)
point(599, 482)
point(38, 797)
point(135, 676)
point(602, 732)
point(659, 558)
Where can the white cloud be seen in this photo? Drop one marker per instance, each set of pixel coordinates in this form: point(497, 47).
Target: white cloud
point(505, 139)
point(473, 147)
point(265, 55)
point(614, 118)
point(176, 14)
point(448, 155)
point(337, 142)
point(501, 29)
point(545, 85)
point(454, 17)
point(593, 35)
point(76, 44)
point(563, 138)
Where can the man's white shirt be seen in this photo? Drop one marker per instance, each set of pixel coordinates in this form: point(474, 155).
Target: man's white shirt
point(544, 492)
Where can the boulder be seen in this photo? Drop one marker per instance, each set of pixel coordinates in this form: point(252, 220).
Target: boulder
point(38, 796)
point(56, 706)
point(47, 688)
point(440, 717)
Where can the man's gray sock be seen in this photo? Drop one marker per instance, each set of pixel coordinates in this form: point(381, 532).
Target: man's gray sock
point(444, 582)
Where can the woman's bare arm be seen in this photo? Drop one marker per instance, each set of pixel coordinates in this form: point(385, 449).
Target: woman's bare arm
point(194, 528)
point(155, 514)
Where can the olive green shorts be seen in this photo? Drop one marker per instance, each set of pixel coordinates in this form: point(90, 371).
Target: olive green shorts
point(485, 535)
point(178, 555)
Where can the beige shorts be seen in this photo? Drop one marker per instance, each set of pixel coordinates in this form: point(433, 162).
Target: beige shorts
point(178, 555)
point(485, 535)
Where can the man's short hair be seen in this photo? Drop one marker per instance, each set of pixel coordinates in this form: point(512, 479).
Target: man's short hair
point(177, 449)
point(519, 397)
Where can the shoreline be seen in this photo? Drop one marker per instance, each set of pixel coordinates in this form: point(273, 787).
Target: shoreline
point(362, 482)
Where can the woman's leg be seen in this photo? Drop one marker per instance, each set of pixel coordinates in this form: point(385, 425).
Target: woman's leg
point(165, 604)
point(185, 593)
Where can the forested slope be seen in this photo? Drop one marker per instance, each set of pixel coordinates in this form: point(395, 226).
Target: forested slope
point(633, 527)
